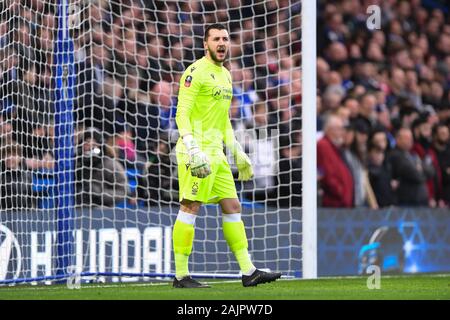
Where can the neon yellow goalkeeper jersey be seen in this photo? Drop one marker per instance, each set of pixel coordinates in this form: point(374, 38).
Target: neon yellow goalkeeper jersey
point(204, 99)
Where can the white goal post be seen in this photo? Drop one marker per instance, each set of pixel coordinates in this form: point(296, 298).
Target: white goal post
point(309, 168)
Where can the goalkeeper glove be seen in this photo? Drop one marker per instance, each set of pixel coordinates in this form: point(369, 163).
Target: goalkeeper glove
point(198, 160)
point(243, 163)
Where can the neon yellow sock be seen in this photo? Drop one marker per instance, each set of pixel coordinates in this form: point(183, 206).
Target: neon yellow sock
point(234, 233)
point(183, 239)
point(181, 265)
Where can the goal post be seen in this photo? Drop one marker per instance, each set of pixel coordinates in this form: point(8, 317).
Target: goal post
point(64, 150)
point(88, 97)
point(309, 160)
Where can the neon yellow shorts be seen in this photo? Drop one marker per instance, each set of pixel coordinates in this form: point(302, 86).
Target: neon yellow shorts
point(215, 187)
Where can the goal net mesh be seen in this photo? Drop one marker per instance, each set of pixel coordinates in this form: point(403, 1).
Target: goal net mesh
point(88, 133)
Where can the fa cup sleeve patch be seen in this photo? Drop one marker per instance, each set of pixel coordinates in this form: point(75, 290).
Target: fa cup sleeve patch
point(187, 81)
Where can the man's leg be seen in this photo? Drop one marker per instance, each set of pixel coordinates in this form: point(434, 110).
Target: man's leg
point(198, 190)
point(234, 233)
point(183, 238)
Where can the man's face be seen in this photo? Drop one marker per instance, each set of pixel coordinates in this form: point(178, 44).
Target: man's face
point(425, 130)
point(443, 135)
point(13, 161)
point(405, 139)
point(368, 106)
point(89, 144)
point(217, 44)
point(380, 140)
point(376, 157)
point(335, 131)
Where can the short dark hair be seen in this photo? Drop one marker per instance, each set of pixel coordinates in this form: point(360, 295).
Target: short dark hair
point(436, 127)
point(217, 26)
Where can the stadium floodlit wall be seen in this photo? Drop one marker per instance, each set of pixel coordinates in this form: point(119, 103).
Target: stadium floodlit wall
point(141, 241)
point(342, 235)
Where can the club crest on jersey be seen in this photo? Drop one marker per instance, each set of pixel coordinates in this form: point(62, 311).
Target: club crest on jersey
point(194, 188)
point(187, 81)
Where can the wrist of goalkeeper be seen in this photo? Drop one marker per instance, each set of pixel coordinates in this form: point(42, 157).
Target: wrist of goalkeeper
point(189, 142)
point(198, 161)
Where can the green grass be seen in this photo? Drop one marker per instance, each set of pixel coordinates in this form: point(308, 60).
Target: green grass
point(398, 287)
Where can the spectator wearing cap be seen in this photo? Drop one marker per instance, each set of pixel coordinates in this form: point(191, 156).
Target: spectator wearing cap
point(336, 179)
point(407, 168)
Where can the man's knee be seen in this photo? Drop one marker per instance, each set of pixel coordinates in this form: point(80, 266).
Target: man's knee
point(192, 207)
point(231, 206)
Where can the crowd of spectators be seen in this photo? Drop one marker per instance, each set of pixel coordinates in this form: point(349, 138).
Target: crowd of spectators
point(383, 104)
point(129, 56)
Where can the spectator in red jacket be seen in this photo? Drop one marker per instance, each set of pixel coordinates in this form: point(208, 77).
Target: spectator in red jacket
point(336, 178)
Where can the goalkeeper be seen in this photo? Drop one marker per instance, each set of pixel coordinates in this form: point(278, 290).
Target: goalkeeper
point(204, 174)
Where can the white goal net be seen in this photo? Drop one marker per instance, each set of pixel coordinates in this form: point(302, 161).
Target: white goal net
point(88, 95)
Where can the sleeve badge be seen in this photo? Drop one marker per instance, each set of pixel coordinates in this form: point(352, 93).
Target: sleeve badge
point(187, 81)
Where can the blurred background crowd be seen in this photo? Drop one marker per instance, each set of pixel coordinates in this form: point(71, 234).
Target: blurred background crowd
point(129, 56)
point(383, 99)
point(383, 104)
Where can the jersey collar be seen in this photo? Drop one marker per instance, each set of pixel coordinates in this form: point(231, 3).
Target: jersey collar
point(212, 64)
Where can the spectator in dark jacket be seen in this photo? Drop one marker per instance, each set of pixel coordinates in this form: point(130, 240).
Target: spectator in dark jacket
point(407, 168)
point(380, 176)
point(380, 170)
point(367, 112)
point(441, 146)
point(336, 178)
point(161, 190)
point(422, 131)
point(15, 179)
point(101, 178)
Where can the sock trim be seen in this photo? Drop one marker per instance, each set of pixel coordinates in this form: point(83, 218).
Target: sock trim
point(187, 218)
point(231, 217)
point(249, 272)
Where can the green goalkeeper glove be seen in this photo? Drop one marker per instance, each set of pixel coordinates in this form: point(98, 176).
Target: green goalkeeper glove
point(243, 163)
point(198, 160)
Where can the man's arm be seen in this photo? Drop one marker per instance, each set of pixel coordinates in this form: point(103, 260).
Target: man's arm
point(243, 162)
point(189, 89)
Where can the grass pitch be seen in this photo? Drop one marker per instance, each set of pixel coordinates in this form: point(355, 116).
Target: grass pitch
point(427, 287)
